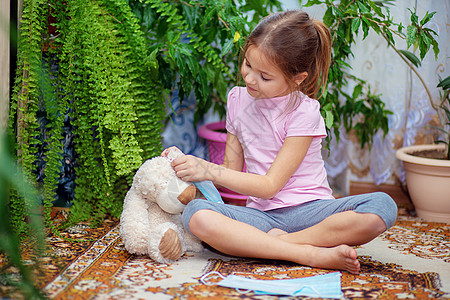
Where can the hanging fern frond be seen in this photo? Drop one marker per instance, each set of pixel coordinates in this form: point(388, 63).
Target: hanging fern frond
point(91, 72)
point(141, 69)
point(24, 103)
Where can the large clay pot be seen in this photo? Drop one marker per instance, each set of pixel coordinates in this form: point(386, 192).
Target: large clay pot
point(428, 183)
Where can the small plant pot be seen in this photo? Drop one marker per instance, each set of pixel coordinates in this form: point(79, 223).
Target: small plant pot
point(215, 135)
point(428, 183)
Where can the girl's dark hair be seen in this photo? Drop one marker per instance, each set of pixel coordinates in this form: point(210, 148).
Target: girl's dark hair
point(295, 43)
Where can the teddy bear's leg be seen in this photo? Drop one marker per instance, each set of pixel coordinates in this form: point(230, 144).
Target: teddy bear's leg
point(170, 245)
point(188, 194)
point(165, 244)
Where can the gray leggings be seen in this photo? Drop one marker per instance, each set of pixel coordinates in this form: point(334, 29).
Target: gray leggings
point(299, 217)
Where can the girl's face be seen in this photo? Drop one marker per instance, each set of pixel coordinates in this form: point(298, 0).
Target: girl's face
point(262, 78)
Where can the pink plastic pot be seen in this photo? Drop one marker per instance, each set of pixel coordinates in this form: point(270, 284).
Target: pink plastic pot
point(216, 138)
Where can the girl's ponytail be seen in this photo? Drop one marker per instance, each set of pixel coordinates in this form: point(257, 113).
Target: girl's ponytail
point(323, 55)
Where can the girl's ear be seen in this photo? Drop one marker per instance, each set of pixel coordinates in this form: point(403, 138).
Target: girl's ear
point(298, 79)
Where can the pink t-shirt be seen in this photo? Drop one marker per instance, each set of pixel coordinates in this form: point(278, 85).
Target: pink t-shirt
point(261, 125)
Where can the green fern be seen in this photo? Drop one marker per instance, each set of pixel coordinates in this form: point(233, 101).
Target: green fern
point(113, 80)
point(101, 79)
point(24, 102)
point(140, 68)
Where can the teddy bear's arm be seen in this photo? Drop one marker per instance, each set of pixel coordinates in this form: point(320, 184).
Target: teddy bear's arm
point(188, 194)
point(134, 223)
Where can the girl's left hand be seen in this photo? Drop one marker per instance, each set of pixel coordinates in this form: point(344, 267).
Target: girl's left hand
point(191, 168)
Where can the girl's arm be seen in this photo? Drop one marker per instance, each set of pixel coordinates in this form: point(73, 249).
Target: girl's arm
point(291, 155)
point(234, 155)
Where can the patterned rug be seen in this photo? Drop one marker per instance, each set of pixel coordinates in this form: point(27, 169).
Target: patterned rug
point(410, 261)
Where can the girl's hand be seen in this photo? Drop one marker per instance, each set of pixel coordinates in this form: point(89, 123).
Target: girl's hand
point(191, 168)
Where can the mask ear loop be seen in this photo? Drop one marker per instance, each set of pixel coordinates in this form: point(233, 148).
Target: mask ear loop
point(204, 281)
point(203, 278)
point(242, 291)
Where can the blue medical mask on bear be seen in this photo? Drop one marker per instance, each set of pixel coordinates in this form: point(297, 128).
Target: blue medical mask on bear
point(206, 187)
point(324, 286)
point(208, 190)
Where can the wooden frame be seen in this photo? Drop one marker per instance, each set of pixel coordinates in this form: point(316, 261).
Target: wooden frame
point(395, 191)
point(4, 62)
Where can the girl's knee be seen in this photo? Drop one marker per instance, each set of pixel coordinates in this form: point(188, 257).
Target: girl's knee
point(388, 208)
point(190, 209)
point(374, 224)
point(199, 223)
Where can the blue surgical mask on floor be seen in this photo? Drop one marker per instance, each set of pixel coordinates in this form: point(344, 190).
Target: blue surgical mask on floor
point(324, 286)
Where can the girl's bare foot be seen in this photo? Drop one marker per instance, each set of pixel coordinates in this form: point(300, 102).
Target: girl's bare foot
point(342, 257)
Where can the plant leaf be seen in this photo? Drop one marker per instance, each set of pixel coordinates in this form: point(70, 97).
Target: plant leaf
point(328, 17)
point(444, 83)
point(355, 24)
point(411, 35)
point(414, 17)
point(227, 47)
point(411, 57)
point(329, 119)
point(427, 18)
point(236, 37)
point(365, 27)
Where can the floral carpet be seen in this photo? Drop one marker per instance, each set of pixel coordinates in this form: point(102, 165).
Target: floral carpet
point(409, 261)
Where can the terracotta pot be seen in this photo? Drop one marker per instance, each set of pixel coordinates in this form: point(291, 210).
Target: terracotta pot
point(216, 138)
point(428, 183)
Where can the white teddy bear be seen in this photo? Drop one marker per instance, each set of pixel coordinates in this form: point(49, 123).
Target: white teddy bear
point(151, 221)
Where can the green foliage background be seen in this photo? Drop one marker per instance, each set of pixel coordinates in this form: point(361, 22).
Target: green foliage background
point(101, 71)
point(196, 44)
point(104, 81)
point(106, 67)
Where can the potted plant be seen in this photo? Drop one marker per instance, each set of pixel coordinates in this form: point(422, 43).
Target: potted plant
point(427, 168)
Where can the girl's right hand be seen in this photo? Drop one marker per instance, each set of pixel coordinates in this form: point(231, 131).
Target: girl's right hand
point(191, 168)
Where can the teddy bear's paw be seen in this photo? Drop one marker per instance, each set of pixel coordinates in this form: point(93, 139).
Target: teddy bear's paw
point(170, 245)
point(188, 194)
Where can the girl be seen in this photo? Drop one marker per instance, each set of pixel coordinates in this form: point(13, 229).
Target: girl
point(274, 125)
